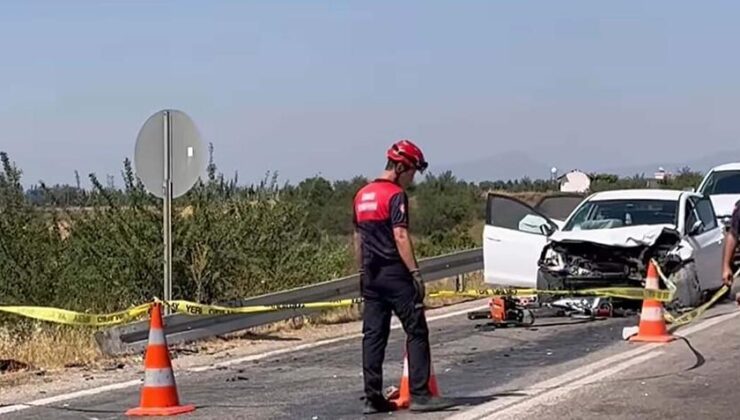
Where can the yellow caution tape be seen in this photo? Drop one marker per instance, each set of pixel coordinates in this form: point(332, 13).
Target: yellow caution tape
point(483, 293)
point(193, 308)
point(690, 316)
point(634, 293)
point(668, 282)
point(63, 316)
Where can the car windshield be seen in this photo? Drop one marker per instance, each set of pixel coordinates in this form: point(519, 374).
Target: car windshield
point(609, 214)
point(722, 182)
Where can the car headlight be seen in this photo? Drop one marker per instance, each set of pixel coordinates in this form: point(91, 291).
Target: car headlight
point(553, 260)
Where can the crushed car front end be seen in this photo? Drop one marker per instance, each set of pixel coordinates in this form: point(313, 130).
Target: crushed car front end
point(609, 258)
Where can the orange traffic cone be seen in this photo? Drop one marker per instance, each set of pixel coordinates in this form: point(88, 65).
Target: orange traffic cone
point(159, 393)
point(652, 327)
point(404, 390)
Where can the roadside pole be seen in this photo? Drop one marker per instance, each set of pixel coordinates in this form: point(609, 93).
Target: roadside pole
point(169, 158)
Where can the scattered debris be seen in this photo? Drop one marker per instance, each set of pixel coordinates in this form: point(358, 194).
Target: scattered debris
point(74, 365)
point(114, 367)
point(10, 365)
point(628, 332)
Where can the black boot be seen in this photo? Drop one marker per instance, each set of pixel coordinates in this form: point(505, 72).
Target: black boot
point(430, 403)
point(378, 405)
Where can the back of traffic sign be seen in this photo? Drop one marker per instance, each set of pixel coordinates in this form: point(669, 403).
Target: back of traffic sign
point(187, 154)
point(169, 159)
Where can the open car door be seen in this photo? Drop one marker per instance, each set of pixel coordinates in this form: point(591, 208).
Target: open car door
point(557, 207)
point(513, 239)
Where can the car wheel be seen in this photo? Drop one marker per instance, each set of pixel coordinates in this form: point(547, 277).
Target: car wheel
point(688, 290)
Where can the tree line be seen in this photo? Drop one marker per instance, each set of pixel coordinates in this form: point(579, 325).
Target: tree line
point(100, 248)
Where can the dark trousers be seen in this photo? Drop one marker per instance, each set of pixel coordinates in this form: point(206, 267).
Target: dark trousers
point(386, 290)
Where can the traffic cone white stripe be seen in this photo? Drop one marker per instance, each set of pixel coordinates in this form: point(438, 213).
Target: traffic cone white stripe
point(652, 327)
point(159, 378)
point(652, 314)
point(156, 337)
point(159, 392)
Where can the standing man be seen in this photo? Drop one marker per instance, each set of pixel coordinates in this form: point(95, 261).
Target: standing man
point(731, 238)
point(390, 281)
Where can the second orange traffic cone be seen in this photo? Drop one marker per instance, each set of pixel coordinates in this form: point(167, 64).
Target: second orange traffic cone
point(652, 327)
point(404, 390)
point(159, 394)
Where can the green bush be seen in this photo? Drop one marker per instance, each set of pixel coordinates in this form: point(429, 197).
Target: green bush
point(108, 256)
point(101, 250)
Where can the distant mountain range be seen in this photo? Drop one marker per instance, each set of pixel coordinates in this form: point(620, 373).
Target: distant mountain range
point(516, 165)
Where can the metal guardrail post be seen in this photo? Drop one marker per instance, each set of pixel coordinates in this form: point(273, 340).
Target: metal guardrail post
point(460, 282)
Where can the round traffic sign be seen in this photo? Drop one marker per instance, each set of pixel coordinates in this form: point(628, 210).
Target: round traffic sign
point(187, 153)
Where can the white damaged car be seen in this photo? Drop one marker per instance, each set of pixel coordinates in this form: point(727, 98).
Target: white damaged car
point(566, 242)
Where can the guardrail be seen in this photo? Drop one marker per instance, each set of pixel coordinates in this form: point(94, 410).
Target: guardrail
point(132, 338)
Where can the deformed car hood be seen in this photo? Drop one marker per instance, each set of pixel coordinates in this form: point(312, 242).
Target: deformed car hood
point(628, 236)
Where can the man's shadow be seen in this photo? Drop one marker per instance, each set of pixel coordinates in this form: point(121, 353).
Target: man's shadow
point(473, 401)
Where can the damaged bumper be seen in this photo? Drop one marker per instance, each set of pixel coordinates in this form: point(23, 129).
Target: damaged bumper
point(582, 263)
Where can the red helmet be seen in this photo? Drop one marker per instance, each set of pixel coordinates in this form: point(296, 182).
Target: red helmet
point(406, 152)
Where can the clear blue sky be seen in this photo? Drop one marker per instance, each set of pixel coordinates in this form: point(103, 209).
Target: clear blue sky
point(625, 81)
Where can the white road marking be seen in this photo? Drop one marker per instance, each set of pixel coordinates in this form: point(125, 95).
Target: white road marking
point(122, 385)
point(552, 383)
point(552, 397)
point(578, 377)
point(72, 395)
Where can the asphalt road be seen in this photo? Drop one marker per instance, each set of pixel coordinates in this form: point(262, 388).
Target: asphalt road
point(695, 378)
point(515, 371)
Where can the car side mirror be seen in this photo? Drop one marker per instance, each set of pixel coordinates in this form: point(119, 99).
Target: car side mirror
point(547, 229)
point(696, 227)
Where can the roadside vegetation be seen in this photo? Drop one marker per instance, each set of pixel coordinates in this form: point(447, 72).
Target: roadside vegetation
point(99, 249)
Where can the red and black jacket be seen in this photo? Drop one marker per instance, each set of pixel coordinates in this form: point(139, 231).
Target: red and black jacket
point(380, 206)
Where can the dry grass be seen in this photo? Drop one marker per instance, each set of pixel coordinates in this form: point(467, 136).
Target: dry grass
point(49, 347)
point(470, 281)
point(476, 232)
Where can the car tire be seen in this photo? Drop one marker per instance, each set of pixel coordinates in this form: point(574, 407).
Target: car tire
point(688, 289)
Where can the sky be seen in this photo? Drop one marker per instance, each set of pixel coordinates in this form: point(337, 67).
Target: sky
point(323, 87)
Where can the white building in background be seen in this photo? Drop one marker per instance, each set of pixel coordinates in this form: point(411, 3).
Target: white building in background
point(660, 174)
point(575, 181)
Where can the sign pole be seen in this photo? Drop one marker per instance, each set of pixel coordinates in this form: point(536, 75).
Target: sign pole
point(169, 159)
point(167, 217)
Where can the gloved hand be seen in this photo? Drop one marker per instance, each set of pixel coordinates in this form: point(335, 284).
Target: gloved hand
point(419, 286)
